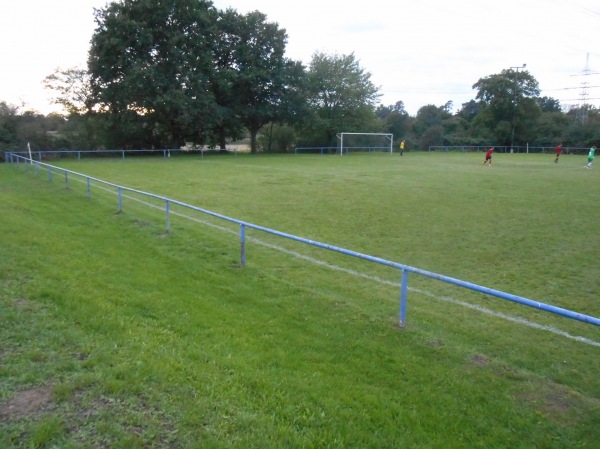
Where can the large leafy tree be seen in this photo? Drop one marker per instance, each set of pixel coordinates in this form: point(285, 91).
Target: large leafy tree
point(508, 104)
point(8, 126)
point(552, 129)
point(429, 116)
point(549, 104)
point(395, 119)
point(151, 63)
point(428, 125)
point(33, 128)
point(585, 126)
point(469, 110)
point(18, 129)
point(341, 95)
point(85, 127)
point(224, 77)
point(262, 85)
point(72, 89)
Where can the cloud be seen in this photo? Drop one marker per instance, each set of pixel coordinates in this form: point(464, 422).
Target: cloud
point(425, 52)
point(363, 27)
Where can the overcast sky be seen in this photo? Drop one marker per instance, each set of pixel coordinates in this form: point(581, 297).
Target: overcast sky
point(419, 52)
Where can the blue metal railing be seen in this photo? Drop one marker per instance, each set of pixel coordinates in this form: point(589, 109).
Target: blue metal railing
point(405, 269)
point(8, 156)
point(507, 149)
point(336, 150)
point(315, 150)
point(78, 154)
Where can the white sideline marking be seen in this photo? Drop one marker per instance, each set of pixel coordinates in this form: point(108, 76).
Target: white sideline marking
point(476, 307)
point(377, 279)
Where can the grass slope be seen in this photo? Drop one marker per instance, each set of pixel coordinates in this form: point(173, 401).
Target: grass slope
point(116, 334)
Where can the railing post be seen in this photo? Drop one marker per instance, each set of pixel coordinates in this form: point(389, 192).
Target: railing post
point(243, 244)
point(120, 191)
point(89, 190)
point(403, 295)
point(67, 178)
point(167, 211)
point(49, 174)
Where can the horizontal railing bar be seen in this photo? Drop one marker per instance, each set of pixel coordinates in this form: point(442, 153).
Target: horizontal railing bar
point(447, 279)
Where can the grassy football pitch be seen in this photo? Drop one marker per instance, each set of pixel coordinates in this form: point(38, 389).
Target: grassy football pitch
point(120, 334)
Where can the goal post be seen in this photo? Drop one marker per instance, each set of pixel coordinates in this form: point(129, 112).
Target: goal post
point(365, 142)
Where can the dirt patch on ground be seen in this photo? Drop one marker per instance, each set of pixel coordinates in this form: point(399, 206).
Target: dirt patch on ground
point(558, 402)
point(25, 403)
point(434, 343)
point(479, 360)
point(23, 304)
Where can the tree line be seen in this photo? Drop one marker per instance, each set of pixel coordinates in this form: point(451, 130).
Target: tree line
point(167, 74)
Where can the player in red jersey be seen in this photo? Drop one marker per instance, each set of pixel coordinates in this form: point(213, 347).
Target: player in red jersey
point(488, 157)
point(558, 151)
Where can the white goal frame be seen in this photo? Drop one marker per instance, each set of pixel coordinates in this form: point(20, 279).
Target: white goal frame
point(389, 136)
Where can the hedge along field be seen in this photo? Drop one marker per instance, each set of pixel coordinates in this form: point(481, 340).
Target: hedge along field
point(142, 338)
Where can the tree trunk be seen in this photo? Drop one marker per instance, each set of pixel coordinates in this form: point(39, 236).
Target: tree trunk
point(222, 143)
point(253, 145)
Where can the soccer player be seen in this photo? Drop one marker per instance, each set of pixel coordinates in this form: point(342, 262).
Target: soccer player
point(488, 157)
point(591, 157)
point(558, 151)
point(401, 148)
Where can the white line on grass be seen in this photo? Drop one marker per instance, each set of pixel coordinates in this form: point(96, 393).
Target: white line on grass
point(377, 279)
point(476, 307)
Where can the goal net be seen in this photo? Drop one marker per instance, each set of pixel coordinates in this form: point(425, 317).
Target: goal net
point(349, 143)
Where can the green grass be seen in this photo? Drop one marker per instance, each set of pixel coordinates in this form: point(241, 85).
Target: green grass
point(119, 334)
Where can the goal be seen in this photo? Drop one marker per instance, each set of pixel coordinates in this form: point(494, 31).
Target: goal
point(364, 143)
